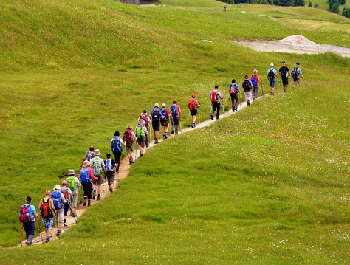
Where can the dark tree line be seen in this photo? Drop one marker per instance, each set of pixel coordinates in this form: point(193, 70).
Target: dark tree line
point(271, 2)
point(334, 7)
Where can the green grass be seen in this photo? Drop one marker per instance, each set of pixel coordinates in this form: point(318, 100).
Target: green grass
point(267, 186)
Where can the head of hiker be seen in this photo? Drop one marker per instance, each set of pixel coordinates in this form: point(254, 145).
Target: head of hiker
point(71, 172)
point(142, 122)
point(163, 105)
point(233, 81)
point(216, 87)
point(245, 77)
point(64, 183)
point(108, 156)
point(284, 63)
point(156, 105)
point(86, 164)
point(47, 193)
point(144, 111)
point(255, 72)
point(297, 65)
point(57, 187)
point(193, 95)
point(92, 148)
point(28, 199)
point(116, 133)
point(271, 65)
point(174, 101)
point(97, 152)
point(129, 127)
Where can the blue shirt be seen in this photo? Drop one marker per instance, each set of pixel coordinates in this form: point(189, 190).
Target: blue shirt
point(31, 211)
point(218, 94)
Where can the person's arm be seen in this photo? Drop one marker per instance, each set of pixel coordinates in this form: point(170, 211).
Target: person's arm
point(82, 161)
point(63, 199)
point(91, 175)
point(103, 165)
point(34, 211)
point(39, 206)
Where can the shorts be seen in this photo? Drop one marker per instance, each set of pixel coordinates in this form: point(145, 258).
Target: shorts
point(60, 215)
point(141, 142)
point(48, 223)
point(272, 82)
point(130, 148)
point(99, 178)
point(164, 123)
point(194, 112)
point(248, 95)
point(155, 126)
point(87, 187)
point(74, 202)
point(65, 208)
point(110, 177)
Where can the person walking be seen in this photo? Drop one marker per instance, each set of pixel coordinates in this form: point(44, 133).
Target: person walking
point(271, 76)
point(141, 133)
point(284, 73)
point(98, 167)
point(155, 114)
point(247, 87)
point(234, 95)
point(47, 210)
point(117, 149)
point(67, 193)
point(88, 155)
point(73, 183)
point(128, 140)
point(215, 97)
point(193, 105)
point(175, 116)
point(27, 218)
point(58, 202)
point(164, 121)
point(297, 74)
point(86, 178)
point(254, 78)
point(147, 120)
point(110, 171)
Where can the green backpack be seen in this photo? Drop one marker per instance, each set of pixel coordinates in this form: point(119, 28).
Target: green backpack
point(140, 133)
point(97, 169)
point(71, 183)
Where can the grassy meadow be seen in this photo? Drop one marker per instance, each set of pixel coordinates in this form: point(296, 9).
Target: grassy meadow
point(269, 185)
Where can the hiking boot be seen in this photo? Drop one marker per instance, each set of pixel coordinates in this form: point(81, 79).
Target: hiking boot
point(211, 117)
point(193, 125)
point(58, 233)
point(156, 141)
point(65, 225)
point(84, 203)
point(172, 132)
point(110, 189)
point(28, 243)
point(141, 154)
point(99, 197)
point(164, 137)
point(131, 161)
point(74, 214)
point(89, 203)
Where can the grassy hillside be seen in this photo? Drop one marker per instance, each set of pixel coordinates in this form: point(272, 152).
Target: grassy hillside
point(267, 186)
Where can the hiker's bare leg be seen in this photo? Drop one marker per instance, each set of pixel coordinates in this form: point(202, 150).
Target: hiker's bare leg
point(194, 119)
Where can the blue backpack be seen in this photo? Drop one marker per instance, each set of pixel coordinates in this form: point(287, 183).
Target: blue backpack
point(84, 175)
point(253, 80)
point(116, 145)
point(173, 111)
point(56, 198)
point(163, 114)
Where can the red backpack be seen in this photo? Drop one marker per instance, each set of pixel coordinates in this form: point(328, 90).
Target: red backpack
point(191, 104)
point(127, 137)
point(46, 211)
point(65, 194)
point(214, 96)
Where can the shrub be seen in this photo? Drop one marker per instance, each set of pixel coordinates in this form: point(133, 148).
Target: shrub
point(310, 4)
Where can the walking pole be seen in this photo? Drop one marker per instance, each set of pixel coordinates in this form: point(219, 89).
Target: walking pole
point(180, 124)
point(39, 225)
point(136, 150)
point(22, 233)
point(262, 88)
point(199, 114)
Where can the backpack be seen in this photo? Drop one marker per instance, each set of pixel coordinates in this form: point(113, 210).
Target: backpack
point(89, 155)
point(233, 89)
point(96, 169)
point(127, 137)
point(246, 85)
point(65, 193)
point(253, 80)
point(140, 133)
point(84, 175)
point(56, 198)
point(71, 183)
point(283, 71)
point(173, 111)
point(109, 165)
point(191, 104)
point(145, 118)
point(214, 96)
point(24, 214)
point(271, 74)
point(46, 211)
point(116, 145)
point(295, 73)
point(164, 113)
point(155, 115)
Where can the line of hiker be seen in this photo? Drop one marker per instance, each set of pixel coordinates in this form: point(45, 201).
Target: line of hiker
point(94, 171)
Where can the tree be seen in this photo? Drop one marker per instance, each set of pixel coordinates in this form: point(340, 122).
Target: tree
point(316, 5)
point(310, 4)
point(335, 7)
point(299, 3)
point(342, 2)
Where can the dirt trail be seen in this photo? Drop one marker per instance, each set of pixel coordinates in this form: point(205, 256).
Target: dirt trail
point(295, 44)
point(123, 172)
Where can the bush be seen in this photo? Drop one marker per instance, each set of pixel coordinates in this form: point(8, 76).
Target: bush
point(310, 4)
point(316, 5)
point(342, 2)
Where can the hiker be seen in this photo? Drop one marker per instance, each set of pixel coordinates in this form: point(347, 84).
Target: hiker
point(88, 155)
point(128, 140)
point(110, 171)
point(225, 7)
point(47, 211)
point(193, 105)
point(58, 202)
point(175, 117)
point(117, 149)
point(74, 184)
point(86, 178)
point(27, 218)
point(215, 97)
point(255, 82)
point(145, 117)
point(155, 114)
point(234, 95)
point(271, 76)
point(67, 193)
point(164, 121)
point(284, 73)
point(247, 86)
point(297, 74)
point(98, 167)
point(141, 133)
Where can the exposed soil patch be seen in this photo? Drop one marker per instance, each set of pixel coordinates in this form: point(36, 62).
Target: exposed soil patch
point(295, 44)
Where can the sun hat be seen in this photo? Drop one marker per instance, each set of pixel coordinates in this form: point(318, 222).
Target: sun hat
point(28, 199)
point(193, 95)
point(272, 65)
point(86, 163)
point(156, 105)
point(48, 192)
point(142, 122)
point(97, 152)
point(255, 71)
point(64, 182)
point(163, 105)
point(71, 172)
point(57, 187)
